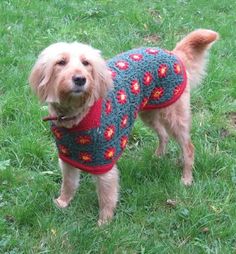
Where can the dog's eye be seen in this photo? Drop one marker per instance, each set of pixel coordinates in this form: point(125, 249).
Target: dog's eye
point(85, 63)
point(61, 62)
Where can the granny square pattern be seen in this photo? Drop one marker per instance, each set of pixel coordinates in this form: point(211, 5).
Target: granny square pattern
point(144, 79)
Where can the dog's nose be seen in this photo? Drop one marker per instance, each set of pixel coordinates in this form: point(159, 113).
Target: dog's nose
point(79, 81)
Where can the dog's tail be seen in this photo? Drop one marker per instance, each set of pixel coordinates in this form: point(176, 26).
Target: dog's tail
point(192, 50)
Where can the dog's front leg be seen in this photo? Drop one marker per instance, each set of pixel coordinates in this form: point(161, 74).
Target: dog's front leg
point(108, 192)
point(70, 182)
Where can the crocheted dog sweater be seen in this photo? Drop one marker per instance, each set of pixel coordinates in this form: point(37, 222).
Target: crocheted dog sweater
point(144, 79)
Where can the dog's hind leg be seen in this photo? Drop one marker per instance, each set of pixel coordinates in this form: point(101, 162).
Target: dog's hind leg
point(177, 120)
point(152, 119)
point(182, 136)
point(163, 138)
point(70, 183)
point(108, 192)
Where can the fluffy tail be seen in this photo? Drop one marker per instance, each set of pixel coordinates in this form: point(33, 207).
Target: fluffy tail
point(192, 50)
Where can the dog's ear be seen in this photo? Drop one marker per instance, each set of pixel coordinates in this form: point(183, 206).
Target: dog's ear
point(101, 76)
point(40, 77)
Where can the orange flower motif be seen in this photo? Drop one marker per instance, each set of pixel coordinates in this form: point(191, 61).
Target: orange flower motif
point(121, 97)
point(152, 51)
point(85, 156)
point(123, 142)
point(84, 140)
point(136, 57)
point(135, 87)
point(162, 71)
point(177, 68)
point(57, 133)
point(157, 93)
point(143, 103)
point(110, 153)
point(108, 107)
point(64, 150)
point(177, 90)
point(122, 65)
point(124, 121)
point(147, 78)
point(109, 132)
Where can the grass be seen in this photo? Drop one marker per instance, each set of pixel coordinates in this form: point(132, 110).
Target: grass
point(203, 221)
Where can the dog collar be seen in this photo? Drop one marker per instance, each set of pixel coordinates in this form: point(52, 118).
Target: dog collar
point(58, 118)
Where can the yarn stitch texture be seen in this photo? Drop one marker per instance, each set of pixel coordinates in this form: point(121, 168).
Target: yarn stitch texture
point(144, 79)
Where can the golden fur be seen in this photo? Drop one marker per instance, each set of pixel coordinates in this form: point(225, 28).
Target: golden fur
point(52, 80)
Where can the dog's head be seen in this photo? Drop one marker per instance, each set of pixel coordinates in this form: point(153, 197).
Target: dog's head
point(66, 72)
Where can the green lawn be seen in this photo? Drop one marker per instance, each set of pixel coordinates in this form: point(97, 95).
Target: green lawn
point(204, 218)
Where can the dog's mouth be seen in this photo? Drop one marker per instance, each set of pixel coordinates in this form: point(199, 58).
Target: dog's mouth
point(77, 91)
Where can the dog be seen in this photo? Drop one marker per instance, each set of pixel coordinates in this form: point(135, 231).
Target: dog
point(93, 103)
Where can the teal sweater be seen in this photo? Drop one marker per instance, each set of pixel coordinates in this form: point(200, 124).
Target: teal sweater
point(144, 79)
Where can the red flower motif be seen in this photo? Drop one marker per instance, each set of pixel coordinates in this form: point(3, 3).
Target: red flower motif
point(136, 57)
point(110, 153)
point(124, 121)
point(121, 97)
point(57, 133)
point(123, 142)
point(112, 73)
point(157, 93)
point(152, 51)
point(122, 65)
point(135, 87)
point(84, 140)
point(143, 103)
point(85, 156)
point(64, 150)
point(109, 132)
point(162, 71)
point(108, 107)
point(147, 78)
point(177, 68)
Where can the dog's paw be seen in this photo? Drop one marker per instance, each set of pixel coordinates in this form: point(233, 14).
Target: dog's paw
point(105, 217)
point(103, 222)
point(160, 152)
point(60, 203)
point(187, 181)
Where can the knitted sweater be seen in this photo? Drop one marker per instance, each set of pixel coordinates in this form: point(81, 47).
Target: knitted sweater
point(144, 79)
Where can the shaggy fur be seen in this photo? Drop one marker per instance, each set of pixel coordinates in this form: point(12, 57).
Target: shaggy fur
point(53, 80)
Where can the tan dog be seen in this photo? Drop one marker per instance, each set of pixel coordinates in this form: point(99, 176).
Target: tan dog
point(71, 77)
